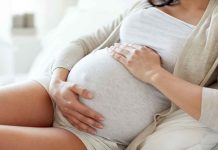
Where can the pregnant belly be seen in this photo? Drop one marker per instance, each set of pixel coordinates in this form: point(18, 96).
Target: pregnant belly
point(127, 104)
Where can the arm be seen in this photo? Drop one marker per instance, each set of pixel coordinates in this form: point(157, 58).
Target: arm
point(201, 103)
point(185, 95)
point(144, 64)
point(209, 109)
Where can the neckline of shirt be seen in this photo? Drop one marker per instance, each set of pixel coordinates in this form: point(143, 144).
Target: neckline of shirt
point(174, 18)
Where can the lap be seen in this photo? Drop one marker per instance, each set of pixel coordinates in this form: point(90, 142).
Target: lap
point(29, 138)
point(25, 104)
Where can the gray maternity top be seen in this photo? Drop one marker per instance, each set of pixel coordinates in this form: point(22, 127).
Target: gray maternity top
point(128, 104)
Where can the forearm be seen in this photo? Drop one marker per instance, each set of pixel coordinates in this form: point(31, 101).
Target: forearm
point(58, 79)
point(68, 57)
point(185, 95)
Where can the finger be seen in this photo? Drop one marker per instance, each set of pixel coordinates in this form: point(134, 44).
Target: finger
point(117, 44)
point(143, 48)
point(86, 120)
point(88, 130)
point(120, 46)
point(138, 47)
point(124, 44)
point(81, 126)
point(64, 110)
point(129, 44)
point(68, 116)
point(120, 50)
point(81, 91)
point(78, 124)
point(119, 57)
point(72, 120)
point(86, 111)
point(125, 53)
point(152, 50)
point(124, 49)
point(85, 128)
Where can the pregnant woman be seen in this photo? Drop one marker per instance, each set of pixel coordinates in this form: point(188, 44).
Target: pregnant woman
point(105, 99)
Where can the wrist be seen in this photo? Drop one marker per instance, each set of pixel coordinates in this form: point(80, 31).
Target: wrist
point(59, 75)
point(56, 81)
point(54, 88)
point(154, 75)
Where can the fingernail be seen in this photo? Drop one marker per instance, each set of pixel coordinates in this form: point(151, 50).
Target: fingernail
point(90, 95)
point(101, 118)
point(93, 132)
point(100, 126)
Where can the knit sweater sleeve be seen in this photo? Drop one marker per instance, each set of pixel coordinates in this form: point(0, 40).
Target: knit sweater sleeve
point(82, 46)
point(77, 49)
point(209, 110)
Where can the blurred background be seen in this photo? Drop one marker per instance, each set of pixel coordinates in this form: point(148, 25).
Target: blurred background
point(32, 31)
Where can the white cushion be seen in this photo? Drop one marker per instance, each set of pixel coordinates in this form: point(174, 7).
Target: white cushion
point(181, 132)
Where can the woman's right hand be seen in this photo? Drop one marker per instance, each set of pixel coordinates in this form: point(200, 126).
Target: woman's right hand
point(66, 96)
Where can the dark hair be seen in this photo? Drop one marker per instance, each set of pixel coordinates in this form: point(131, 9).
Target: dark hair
point(161, 3)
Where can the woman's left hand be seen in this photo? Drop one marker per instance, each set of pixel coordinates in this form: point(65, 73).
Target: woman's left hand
point(141, 61)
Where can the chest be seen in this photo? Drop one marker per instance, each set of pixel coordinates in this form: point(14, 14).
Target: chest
point(157, 30)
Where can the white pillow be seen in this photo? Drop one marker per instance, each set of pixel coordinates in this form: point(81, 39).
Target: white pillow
point(181, 132)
